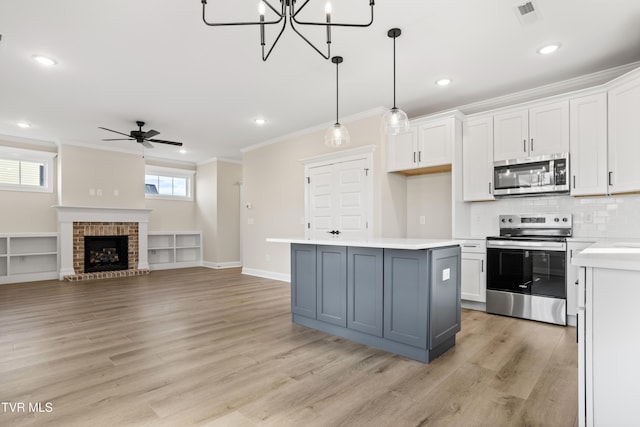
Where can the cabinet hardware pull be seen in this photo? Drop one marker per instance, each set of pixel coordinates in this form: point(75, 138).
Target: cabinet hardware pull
point(414, 157)
point(489, 188)
point(524, 145)
point(610, 173)
point(574, 181)
point(481, 266)
point(419, 156)
point(531, 144)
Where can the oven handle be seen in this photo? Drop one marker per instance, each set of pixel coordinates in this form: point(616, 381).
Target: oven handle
point(539, 246)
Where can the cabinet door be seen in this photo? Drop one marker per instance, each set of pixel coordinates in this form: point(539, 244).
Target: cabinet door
point(402, 151)
point(331, 284)
point(477, 159)
point(511, 135)
point(624, 137)
point(364, 290)
point(434, 143)
point(549, 129)
point(444, 298)
point(303, 280)
point(474, 279)
point(573, 249)
point(588, 145)
point(406, 296)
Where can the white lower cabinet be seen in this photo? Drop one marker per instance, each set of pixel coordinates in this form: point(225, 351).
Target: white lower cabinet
point(573, 249)
point(169, 250)
point(608, 351)
point(474, 276)
point(28, 257)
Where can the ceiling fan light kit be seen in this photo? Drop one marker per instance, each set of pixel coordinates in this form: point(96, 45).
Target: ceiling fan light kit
point(285, 14)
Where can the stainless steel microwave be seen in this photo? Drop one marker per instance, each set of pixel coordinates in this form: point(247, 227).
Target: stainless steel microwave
point(532, 176)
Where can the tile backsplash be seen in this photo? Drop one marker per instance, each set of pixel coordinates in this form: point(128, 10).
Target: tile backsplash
point(600, 217)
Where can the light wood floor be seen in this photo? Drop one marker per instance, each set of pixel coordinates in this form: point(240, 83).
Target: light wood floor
point(217, 348)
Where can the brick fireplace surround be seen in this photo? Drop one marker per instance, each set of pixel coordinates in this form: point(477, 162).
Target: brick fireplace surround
point(76, 222)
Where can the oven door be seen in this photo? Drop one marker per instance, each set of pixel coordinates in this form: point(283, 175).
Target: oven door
point(527, 267)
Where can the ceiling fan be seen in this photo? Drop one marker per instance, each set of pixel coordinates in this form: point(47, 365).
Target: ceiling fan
point(144, 138)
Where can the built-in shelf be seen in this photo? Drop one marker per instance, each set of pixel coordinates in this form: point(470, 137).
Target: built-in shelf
point(169, 250)
point(28, 257)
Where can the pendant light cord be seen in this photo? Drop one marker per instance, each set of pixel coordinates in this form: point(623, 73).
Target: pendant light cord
point(394, 73)
point(337, 92)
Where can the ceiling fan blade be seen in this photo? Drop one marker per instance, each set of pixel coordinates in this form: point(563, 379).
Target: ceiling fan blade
point(150, 134)
point(147, 145)
point(119, 139)
point(162, 141)
point(111, 130)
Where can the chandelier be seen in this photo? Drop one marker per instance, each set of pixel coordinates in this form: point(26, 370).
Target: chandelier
point(287, 13)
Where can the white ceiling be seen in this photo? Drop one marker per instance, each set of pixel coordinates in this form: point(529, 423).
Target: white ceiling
point(154, 60)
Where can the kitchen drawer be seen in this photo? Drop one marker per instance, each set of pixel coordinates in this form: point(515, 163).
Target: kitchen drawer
point(474, 245)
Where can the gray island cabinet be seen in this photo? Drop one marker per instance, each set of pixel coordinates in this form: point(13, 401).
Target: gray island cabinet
point(398, 295)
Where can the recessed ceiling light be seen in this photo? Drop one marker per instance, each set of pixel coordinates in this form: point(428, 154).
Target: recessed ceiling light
point(443, 82)
point(260, 121)
point(550, 48)
point(23, 125)
point(182, 151)
point(44, 60)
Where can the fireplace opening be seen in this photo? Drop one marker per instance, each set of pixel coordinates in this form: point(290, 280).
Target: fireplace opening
point(106, 253)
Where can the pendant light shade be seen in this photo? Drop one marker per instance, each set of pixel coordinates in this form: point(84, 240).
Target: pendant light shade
point(337, 135)
point(395, 120)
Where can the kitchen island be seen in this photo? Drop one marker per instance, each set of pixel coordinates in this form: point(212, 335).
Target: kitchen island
point(398, 295)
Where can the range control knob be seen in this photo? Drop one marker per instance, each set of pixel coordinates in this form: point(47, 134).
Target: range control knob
point(556, 219)
point(504, 220)
point(565, 219)
point(510, 219)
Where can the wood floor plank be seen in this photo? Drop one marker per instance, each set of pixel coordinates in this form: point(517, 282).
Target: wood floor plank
point(208, 347)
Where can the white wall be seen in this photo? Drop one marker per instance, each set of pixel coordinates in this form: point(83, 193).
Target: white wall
point(218, 211)
point(429, 196)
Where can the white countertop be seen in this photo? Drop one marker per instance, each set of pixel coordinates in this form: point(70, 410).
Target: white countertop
point(387, 243)
point(618, 254)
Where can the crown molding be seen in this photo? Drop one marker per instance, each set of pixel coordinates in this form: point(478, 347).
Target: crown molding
point(562, 87)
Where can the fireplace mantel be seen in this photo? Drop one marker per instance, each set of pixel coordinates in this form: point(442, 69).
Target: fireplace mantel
point(67, 215)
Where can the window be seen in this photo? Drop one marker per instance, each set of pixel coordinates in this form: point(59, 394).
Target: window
point(26, 170)
point(168, 183)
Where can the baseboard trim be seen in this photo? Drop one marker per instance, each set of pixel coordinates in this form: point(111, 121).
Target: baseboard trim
point(267, 274)
point(474, 305)
point(221, 265)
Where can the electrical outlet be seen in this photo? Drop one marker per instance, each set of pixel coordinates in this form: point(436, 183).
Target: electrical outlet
point(250, 221)
point(423, 220)
point(588, 217)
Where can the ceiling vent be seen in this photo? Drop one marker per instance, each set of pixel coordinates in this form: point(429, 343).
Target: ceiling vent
point(527, 13)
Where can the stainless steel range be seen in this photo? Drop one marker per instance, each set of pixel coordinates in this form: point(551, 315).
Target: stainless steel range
point(527, 265)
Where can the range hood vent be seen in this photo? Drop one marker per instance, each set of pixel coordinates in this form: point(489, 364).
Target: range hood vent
point(527, 13)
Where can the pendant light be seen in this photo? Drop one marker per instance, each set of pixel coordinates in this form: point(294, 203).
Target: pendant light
point(337, 135)
point(395, 120)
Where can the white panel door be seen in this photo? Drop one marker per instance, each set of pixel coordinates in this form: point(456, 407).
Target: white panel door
point(549, 129)
point(511, 134)
point(339, 200)
point(321, 200)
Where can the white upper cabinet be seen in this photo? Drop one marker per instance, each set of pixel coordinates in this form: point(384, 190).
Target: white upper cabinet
point(588, 158)
point(402, 150)
point(428, 144)
point(477, 159)
point(434, 142)
point(533, 132)
point(624, 136)
point(511, 137)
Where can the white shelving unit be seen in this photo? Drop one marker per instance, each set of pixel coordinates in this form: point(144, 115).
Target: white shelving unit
point(28, 257)
point(169, 250)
